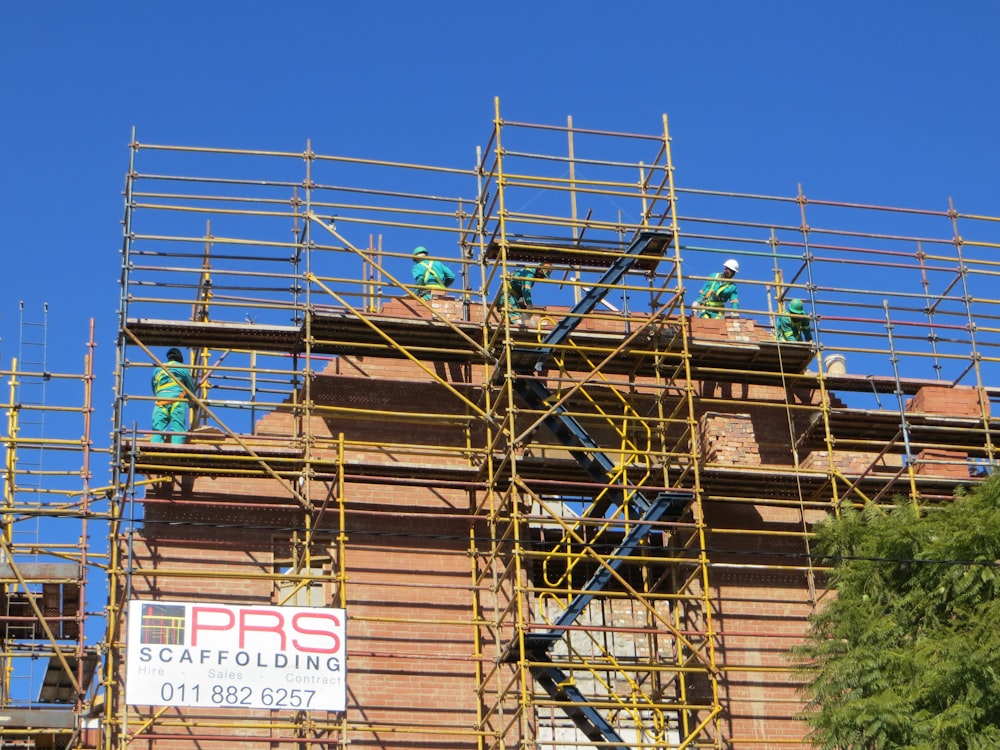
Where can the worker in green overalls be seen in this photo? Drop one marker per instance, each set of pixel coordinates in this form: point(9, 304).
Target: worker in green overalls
point(518, 289)
point(718, 291)
point(170, 413)
point(430, 274)
point(793, 323)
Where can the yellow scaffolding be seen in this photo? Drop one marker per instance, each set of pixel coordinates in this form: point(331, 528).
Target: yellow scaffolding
point(551, 535)
point(47, 657)
point(582, 523)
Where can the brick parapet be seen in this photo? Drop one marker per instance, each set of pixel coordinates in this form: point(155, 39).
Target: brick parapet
point(952, 401)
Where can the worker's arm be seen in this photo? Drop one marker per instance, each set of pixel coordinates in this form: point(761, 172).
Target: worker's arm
point(526, 292)
point(418, 272)
point(706, 289)
point(731, 294)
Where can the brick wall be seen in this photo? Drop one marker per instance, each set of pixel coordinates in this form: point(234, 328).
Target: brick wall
point(762, 594)
point(408, 590)
point(954, 401)
point(728, 439)
point(850, 462)
point(448, 306)
point(760, 617)
point(949, 401)
point(730, 329)
point(412, 659)
point(942, 463)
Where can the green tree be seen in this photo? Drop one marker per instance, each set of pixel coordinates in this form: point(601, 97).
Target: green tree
point(905, 651)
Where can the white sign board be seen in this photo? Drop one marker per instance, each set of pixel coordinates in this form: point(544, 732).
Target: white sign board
point(226, 656)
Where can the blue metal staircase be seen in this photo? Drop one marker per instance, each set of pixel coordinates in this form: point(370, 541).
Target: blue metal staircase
point(584, 449)
point(527, 364)
point(667, 506)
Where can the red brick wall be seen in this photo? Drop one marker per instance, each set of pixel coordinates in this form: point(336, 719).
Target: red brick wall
point(411, 664)
point(760, 616)
point(948, 401)
point(412, 658)
point(954, 401)
point(943, 463)
point(729, 439)
point(762, 593)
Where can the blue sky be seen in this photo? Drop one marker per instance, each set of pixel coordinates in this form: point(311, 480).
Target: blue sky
point(890, 103)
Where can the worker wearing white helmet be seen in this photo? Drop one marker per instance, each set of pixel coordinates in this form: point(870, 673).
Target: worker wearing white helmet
point(719, 291)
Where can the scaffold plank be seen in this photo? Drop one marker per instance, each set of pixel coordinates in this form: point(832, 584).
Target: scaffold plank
point(523, 249)
point(37, 718)
point(41, 571)
point(215, 334)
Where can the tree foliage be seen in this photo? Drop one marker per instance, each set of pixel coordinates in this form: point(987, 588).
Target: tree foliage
point(906, 654)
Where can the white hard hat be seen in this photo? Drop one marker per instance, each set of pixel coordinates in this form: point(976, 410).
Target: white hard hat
point(732, 265)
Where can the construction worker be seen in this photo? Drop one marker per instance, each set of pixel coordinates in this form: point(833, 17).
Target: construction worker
point(718, 291)
point(430, 274)
point(793, 323)
point(170, 414)
point(518, 292)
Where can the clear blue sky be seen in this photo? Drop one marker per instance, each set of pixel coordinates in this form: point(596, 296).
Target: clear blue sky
point(891, 103)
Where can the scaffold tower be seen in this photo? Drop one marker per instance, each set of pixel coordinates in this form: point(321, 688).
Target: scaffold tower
point(51, 643)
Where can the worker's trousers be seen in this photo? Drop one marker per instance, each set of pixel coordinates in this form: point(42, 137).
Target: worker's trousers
point(170, 416)
point(426, 291)
point(514, 307)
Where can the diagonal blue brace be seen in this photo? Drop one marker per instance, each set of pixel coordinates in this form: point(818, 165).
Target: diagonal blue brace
point(572, 434)
point(667, 505)
point(587, 453)
point(587, 719)
point(569, 431)
point(646, 242)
